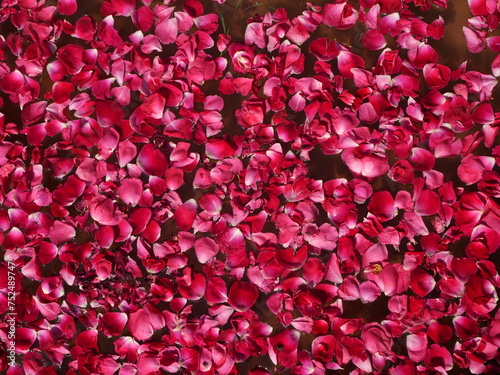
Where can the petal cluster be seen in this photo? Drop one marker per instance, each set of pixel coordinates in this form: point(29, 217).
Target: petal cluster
point(211, 187)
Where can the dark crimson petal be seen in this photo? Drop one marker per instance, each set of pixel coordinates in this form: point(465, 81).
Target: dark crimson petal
point(242, 295)
point(324, 49)
point(152, 161)
point(12, 82)
point(67, 7)
point(439, 333)
point(421, 159)
point(421, 282)
point(290, 259)
point(428, 203)
point(185, 214)
point(383, 206)
point(143, 18)
point(118, 7)
point(113, 322)
point(466, 328)
point(374, 40)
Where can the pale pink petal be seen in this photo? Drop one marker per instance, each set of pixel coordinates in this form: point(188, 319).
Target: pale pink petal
point(167, 31)
point(342, 16)
point(254, 34)
point(369, 291)
point(475, 39)
point(205, 249)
